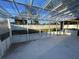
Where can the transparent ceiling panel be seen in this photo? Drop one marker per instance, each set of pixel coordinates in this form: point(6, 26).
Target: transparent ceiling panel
point(1, 15)
point(9, 7)
point(42, 12)
point(23, 1)
point(56, 2)
point(40, 3)
point(22, 9)
point(49, 6)
point(39, 7)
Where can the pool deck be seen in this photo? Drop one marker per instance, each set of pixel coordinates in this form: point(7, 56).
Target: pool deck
point(51, 47)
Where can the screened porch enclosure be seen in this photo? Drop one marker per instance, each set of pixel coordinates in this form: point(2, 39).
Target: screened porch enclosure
point(39, 29)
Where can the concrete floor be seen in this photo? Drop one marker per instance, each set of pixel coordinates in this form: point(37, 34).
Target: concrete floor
point(54, 47)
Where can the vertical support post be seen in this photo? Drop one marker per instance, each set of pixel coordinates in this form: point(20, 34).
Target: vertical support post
point(49, 29)
point(77, 29)
point(27, 31)
point(40, 32)
point(9, 40)
point(63, 28)
point(56, 29)
point(67, 24)
point(46, 31)
point(61, 25)
point(10, 30)
point(77, 25)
